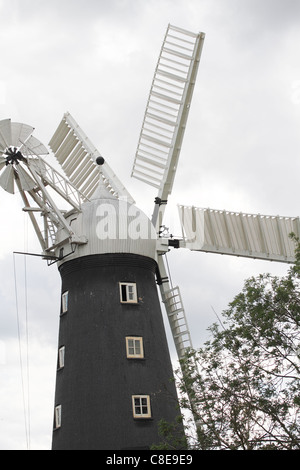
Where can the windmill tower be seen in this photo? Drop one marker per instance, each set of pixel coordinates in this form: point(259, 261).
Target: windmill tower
point(114, 374)
point(113, 370)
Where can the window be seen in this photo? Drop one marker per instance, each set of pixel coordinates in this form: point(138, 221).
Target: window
point(134, 347)
point(128, 292)
point(61, 357)
point(65, 302)
point(57, 417)
point(141, 406)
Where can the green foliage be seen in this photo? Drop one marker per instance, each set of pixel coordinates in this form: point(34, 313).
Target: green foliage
point(172, 435)
point(243, 385)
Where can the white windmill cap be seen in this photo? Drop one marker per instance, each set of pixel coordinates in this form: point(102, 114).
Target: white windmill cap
point(112, 225)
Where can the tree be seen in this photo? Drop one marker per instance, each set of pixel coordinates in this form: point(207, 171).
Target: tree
point(172, 435)
point(243, 385)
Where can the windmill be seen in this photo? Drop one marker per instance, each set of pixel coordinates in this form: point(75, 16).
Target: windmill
point(113, 366)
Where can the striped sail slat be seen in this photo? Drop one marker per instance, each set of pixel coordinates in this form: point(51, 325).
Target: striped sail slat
point(234, 233)
point(77, 156)
point(167, 109)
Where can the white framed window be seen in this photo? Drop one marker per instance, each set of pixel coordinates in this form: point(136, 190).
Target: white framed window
point(57, 417)
point(134, 347)
point(141, 406)
point(65, 302)
point(61, 357)
point(128, 293)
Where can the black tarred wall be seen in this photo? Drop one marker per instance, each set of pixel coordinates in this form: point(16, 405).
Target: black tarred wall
point(96, 384)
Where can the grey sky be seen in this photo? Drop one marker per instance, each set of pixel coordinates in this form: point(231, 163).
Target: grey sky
point(241, 149)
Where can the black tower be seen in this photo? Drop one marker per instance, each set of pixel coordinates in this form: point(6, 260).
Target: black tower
point(114, 375)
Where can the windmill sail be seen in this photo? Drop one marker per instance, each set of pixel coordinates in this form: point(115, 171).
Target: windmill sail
point(7, 179)
point(77, 156)
point(13, 133)
point(233, 233)
point(27, 183)
point(177, 319)
point(19, 133)
point(5, 134)
point(33, 146)
point(172, 300)
point(167, 110)
point(2, 162)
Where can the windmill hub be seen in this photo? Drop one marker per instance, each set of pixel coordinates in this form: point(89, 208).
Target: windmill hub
point(16, 141)
point(13, 155)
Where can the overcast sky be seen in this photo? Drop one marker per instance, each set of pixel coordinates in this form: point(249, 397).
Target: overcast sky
point(96, 59)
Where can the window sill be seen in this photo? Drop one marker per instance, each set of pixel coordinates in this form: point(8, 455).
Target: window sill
point(136, 358)
point(143, 418)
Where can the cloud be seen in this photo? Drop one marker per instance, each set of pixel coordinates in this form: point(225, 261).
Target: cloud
point(269, 16)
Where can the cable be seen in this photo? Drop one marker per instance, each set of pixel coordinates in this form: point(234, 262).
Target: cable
point(20, 353)
point(26, 323)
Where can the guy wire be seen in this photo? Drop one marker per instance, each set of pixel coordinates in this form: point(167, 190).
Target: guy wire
point(20, 353)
